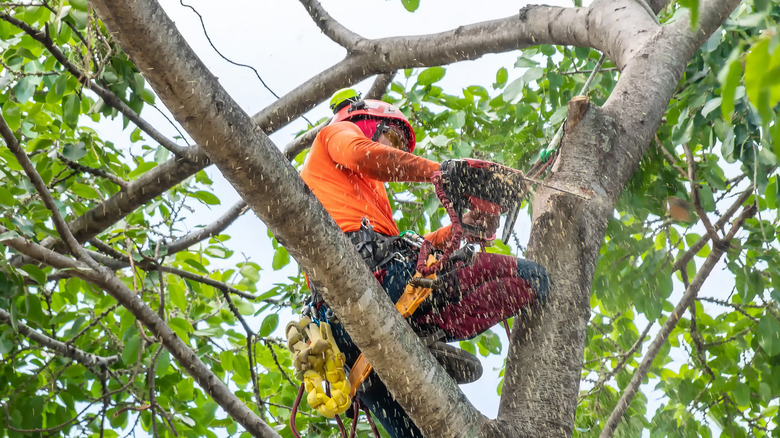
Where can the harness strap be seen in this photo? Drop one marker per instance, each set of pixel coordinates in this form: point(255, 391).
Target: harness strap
point(415, 293)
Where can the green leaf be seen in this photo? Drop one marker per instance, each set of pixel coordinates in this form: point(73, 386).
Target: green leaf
point(208, 198)
point(523, 62)
point(513, 89)
point(281, 258)
point(501, 77)
point(71, 108)
point(742, 395)
point(12, 115)
point(730, 82)
point(25, 89)
point(269, 324)
point(411, 5)
point(533, 73)
point(81, 5)
point(430, 75)
point(6, 198)
point(769, 335)
point(35, 273)
point(130, 351)
point(770, 194)
point(761, 71)
point(85, 191)
point(711, 105)
point(178, 296)
point(457, 119)
point(74, 151)
point(197, 265)
point(182, 328)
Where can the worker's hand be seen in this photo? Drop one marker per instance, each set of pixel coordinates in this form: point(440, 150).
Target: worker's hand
point(486, 221)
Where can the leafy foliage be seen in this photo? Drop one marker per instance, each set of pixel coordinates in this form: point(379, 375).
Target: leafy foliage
point(718, 372)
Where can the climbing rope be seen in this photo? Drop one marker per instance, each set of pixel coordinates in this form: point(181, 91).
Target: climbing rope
point(455, 233)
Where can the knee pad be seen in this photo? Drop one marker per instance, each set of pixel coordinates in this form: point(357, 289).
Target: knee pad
point(535, 274)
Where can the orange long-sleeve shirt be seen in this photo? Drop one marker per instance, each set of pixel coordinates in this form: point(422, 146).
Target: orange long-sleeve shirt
point(346, 171)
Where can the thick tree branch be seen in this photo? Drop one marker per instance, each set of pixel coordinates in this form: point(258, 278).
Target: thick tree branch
point(271, 187)
point(598, 158)
point(63, 349)
point(671, 322)
point(532, 26)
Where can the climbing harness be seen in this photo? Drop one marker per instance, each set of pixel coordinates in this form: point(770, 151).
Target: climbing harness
point(416, 291)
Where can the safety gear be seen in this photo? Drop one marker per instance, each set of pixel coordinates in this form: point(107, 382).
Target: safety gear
point(342, 98)
point(396, 139)
point(378, 110)
point(317, 359)
point(346, 170)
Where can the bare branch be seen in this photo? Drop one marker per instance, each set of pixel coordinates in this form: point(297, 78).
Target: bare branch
point(379, 87)
point(63, 349)
point(123, 261)
point(97, 172)
point(330, 27)
point(688, 297)
point(696, 247)
point(210, 230)
point(696, 198)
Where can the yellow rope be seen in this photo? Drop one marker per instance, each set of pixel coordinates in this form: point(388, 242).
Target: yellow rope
point(318, 360)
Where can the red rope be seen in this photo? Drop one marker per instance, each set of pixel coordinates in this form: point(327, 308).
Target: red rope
point(338, 417)
point(370, 420)
point(295, 412)
point(456, 232)
point(508, 332)
point(355, 418)
point(546, 165)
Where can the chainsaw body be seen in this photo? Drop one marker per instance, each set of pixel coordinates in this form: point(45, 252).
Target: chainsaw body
point(484, 186)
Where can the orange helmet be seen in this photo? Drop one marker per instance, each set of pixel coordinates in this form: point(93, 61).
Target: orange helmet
point(375, 109)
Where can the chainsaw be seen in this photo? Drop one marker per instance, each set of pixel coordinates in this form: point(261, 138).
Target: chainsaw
point(484, 186)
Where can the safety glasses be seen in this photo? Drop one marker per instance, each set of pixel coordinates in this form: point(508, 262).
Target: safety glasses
point(396, 139)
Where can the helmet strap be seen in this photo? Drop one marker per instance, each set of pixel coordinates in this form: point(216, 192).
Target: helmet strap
point(380, 128)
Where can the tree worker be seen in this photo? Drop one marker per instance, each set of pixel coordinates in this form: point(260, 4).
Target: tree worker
point(368, 143)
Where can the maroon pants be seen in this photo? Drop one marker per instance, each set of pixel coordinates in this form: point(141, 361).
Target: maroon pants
point(477, 297)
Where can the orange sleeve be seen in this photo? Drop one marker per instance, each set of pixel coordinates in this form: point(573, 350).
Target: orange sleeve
point(440, 237)
point(348, 147)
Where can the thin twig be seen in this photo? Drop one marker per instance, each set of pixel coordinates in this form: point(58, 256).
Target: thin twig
point(696, 198)
point(97, 172)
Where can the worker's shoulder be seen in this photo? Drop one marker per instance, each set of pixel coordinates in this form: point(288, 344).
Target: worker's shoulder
point(343, 126)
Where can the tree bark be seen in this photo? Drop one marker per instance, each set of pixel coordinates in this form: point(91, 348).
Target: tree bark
point(598, 157)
